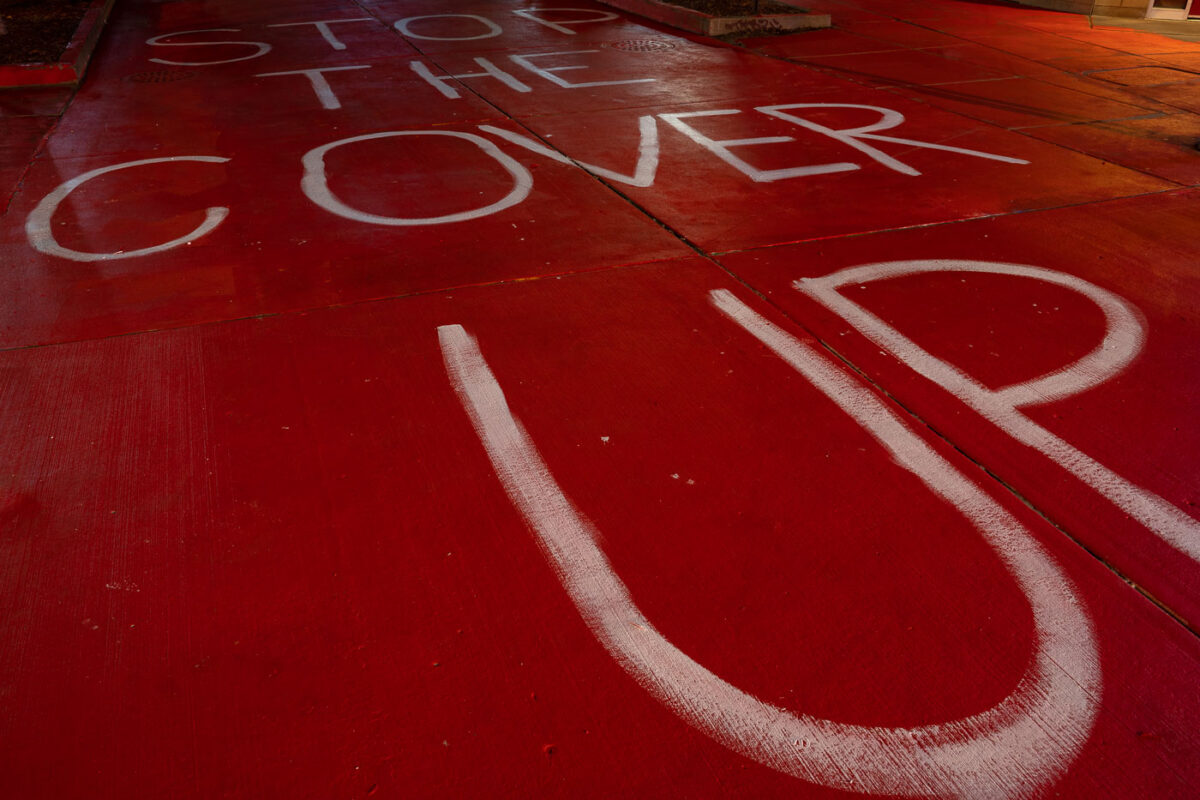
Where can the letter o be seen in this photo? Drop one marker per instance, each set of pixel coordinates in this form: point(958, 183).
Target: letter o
point(493, 28)
point(315, 185)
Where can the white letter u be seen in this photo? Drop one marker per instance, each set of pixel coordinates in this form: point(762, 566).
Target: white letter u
point(1023, 743)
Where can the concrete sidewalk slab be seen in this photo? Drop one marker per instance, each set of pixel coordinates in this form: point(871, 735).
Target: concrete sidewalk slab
point(1043, 47)
point(827, 42)
point(19, 140)
point(1146, 76)
point(902, 67)
point(902, 33)
point(1184, 96)
point(1089, 65)
point(1026, 102)
point(1107, 90)
point(1161, 146)
point(972, 53)
point(1188, 61)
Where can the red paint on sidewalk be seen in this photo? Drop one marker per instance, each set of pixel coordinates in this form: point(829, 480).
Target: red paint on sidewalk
point(252, 264)
point(1163, 146)
point(1002, 330)
point(274, 554)
point(900, 67)
point(1025, 102)
point(194, 111)
point(19, 140)
point(868, 195)
point(825, 42)
point(470, 26)
point(496, 497)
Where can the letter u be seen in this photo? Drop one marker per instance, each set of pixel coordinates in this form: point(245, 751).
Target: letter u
point(1018, 746)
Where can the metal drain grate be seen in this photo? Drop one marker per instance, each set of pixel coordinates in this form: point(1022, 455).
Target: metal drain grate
point(641, 45)
point(161, 76)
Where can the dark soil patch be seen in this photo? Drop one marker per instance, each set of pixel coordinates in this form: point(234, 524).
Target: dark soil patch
point(736, 8)
point(38, 31)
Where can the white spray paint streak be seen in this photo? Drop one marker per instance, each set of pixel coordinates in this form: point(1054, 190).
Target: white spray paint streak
point(889, 119)
point(41, 236)
point(644, 171)
point(323, 28)
point(321, 87)
point(1121, 344)
point(1013, 749)
point(315, 184)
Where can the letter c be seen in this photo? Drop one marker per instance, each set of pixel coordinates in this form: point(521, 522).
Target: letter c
point(37, 226)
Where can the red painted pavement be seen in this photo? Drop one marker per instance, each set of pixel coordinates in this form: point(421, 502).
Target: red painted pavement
point(868, 193)
point(1161, 146)
point(248, 265)
point(21, 138)
point(1003, 330)
point(271, 557)
point(418, 403)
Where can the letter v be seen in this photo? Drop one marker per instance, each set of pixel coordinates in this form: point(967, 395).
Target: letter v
point(643, 174)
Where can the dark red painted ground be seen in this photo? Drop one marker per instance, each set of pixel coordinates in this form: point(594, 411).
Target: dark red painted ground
point(372, 448)
point(1003, 330)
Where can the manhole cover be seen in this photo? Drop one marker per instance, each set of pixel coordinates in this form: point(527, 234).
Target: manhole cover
point(161, 76)
point(642, 45)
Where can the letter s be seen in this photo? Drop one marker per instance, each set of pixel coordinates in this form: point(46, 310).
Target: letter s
point(261, 48)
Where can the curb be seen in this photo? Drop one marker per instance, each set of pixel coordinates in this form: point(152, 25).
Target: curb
point(70, 68)
point(708, 25)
